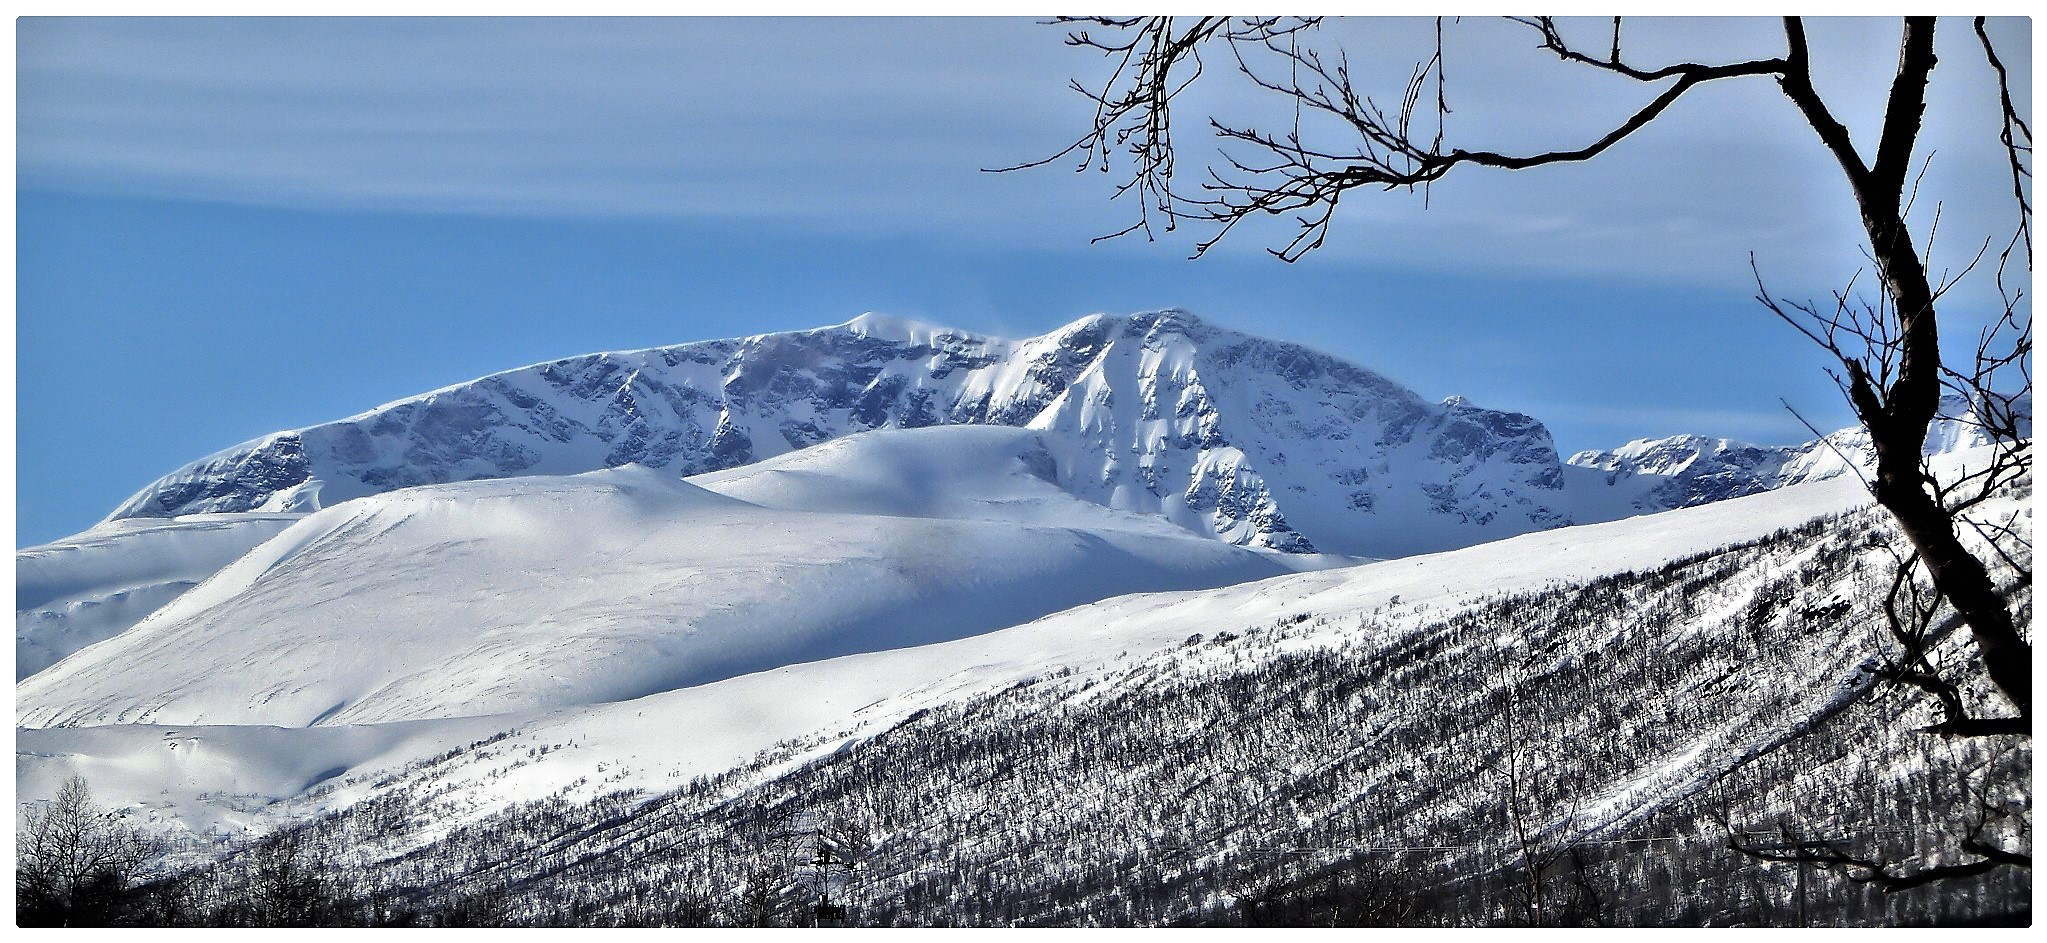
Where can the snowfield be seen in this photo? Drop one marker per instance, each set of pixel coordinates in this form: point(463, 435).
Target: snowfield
point(520, 594)
point(284, 765)
point(95, 585)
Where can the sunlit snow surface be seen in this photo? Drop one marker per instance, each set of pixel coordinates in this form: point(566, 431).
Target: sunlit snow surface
point(73, 592)
point(531, 593)
point(200, 776)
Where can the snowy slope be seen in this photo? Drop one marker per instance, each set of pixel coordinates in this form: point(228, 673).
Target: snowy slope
point(1256, 442)
point(954, 472)
point(656, 742)
point(95, 585)
point(220, 779)
point(963, 473)
point(537, 592)
point(871, 691)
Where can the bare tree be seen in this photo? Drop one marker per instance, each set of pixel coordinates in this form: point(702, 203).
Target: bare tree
point(74, 862)
point(1887, 349)
point(1513, 776)
point(288, 887)
point(766, 849)
point(283, 884)
point(1531, 892)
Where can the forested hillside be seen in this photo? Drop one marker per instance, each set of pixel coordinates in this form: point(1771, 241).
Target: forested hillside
point(1576, 755)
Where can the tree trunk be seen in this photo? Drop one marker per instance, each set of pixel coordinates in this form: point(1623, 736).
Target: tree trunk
point(1960, 577)
point(1898, 417)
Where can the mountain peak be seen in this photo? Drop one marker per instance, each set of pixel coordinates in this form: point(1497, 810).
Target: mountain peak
point(1164, 320)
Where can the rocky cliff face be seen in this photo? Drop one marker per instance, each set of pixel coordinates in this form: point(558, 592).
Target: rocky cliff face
point(1255, 442)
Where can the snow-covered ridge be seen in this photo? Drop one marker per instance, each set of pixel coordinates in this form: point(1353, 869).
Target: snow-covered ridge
point(1255, 442)
point(1688, 470)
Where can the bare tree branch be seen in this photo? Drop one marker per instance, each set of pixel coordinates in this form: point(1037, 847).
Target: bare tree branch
point(2016, 137)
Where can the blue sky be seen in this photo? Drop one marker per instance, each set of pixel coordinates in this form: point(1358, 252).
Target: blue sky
point(228, 227)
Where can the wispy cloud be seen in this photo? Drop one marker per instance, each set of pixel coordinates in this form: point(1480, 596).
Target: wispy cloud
point(883, 125)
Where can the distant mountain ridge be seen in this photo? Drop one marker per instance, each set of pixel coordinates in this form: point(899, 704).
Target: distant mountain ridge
point(1228, 435)
point(1689, 470)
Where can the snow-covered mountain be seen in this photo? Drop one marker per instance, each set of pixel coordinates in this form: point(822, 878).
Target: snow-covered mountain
point(1255, 442)
point(1160, 418)
point(536, 654)
point(1687, 470)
